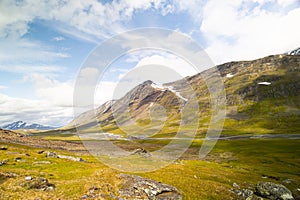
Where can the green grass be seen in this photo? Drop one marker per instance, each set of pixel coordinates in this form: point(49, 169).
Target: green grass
point(211, 178)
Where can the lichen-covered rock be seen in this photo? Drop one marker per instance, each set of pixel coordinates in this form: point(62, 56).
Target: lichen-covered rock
point(273, 191)
point(38, 184)
point(51, 155)
point(3, 162)
point(136, 187)
point(70, 158)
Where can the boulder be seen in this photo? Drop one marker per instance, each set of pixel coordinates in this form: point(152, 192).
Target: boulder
point(273, 191)
point(38, 184)
point(244, 194)
point(51, 155)
point(71, 158)
point(136, 187)
point(3, 162)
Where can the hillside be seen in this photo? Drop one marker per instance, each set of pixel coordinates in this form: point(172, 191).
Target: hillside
point(262, 97)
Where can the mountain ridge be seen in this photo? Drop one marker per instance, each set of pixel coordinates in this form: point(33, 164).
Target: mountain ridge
point(24, 125)
point(272, 81)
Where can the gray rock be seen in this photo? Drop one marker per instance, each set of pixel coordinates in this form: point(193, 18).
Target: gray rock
point(235, 185)
point(71, 158)
point(244, 194)
point(51, 155)
point(38, 184)
point(287, 181)
point(136, 187)
point(18, 159)
point(273, 191)
point(3, 162)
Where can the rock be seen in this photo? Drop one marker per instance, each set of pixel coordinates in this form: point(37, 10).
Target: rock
point(28, 178)
point(244, 194)
point(92, 194)
point(40, 152)
point(142, 152)
point(51, 155)
point(3, 148)
point(71, 158)
point(287, 181)
point(38, 183)
point(136, 187)
point(3, 162)
point(235, 185)
point(18, 159)
point(273, 191)
point(270, 177)
point(5, 176)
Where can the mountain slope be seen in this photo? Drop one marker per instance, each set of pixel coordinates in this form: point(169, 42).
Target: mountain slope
point(262, 97)
point(23, 125)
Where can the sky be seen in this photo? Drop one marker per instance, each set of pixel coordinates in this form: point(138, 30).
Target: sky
point(44, 43)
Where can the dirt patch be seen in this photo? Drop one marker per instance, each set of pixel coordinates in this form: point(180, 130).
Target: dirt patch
point(16, 138)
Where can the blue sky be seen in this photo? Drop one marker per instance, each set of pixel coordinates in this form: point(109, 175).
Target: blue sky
point(44, 43)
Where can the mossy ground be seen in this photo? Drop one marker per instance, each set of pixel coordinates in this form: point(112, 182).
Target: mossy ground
point(240, 161)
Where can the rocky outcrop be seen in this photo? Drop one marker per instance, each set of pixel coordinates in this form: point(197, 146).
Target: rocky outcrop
point(38, 184)
point(136, 187)
point(75, 159)
point(273, 191)
point(263, 190)
point(54, 155)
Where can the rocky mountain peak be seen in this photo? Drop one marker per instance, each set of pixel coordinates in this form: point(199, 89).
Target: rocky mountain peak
point(295, 52)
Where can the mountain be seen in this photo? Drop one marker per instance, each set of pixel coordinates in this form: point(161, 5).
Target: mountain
point(23, 125)
point(262, 96)
point(295, 52)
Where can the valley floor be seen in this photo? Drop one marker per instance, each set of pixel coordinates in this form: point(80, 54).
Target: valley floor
point(233, 164)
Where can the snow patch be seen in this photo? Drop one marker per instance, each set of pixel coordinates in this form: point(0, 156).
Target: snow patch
point(229, 75)
point(170, 88)
point(264, 83)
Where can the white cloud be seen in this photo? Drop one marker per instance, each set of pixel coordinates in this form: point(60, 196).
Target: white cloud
point(2, 87)
point(27, 51)
point(104, 92)
point(58, 94)
point(53, 104)
point(33, 111)
point(58, 38)
point(286, 3)
point(29, 69)
point(170, 61)
point(235, 32)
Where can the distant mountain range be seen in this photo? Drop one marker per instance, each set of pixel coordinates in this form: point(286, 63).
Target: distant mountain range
point(262, 96)
point(23, 125)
